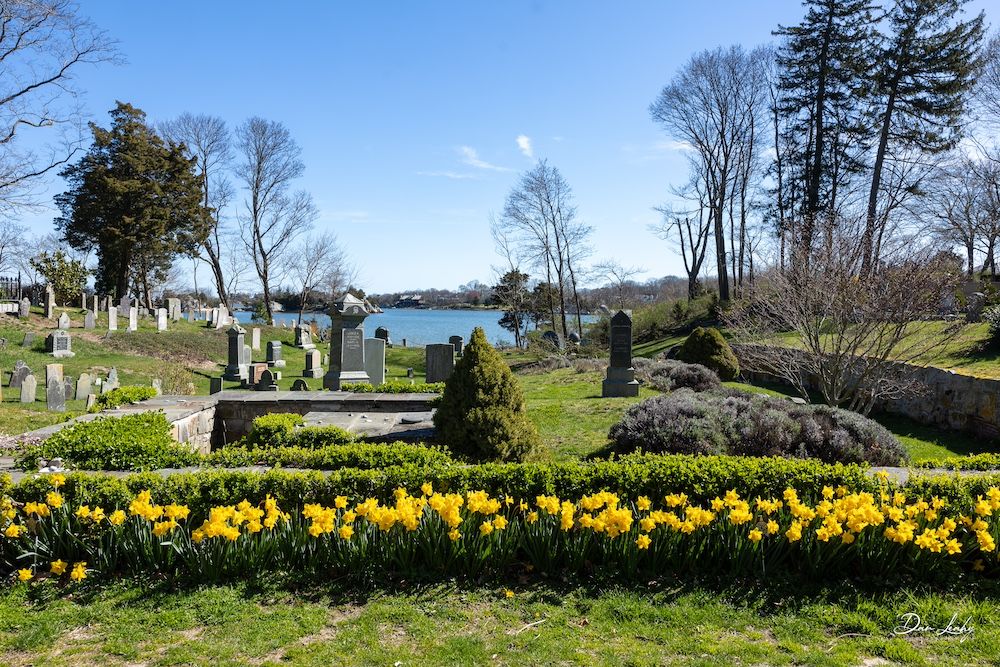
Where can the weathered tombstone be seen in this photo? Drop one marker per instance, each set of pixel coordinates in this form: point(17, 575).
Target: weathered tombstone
point(28, 387)
point(53, 373)
point(409, 373)
point(440, 361)
point(404, 342)
point(553, 339)
point(58, 344)
point(157, 385)
point(267, 382)
point(55, 397)
point(210, 317)
point(247, 355)
point(133, 318)
point(68, 387)
point(274, 359)
point(192, 316)
point(161, 319)
point(83, 301)
point(174, 309)
point(112, 319)
point(255, 339)
point(620, 380)
point(300, 385)
point(21, 371)
point(88, 320)
point(214, 385)
point(222, 318)
point(458, 342)
point(574, 337)
point(91, 401)
point(375, 360)
point(236, 369)
point(314, 364)
point(50, 302)
point(64, 321)
point(23, 308)
point(977, 302)
point(95, 303)
point(383, 333)
point(83, 386)
point(254, 372)
point(29, 339)
point(113, 377)
point(303, 338)
point(347, 348)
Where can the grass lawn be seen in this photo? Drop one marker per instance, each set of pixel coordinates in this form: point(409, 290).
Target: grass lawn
point(127, 624)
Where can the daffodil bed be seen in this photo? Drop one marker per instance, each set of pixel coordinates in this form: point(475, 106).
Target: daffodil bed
point(841, 532)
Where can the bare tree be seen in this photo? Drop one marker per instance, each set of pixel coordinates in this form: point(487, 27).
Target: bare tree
point(619, 276)
point(957, 207)
point(511, 288)
point(207, 139)
point(44, 44)
point(272, 217)
point(13, 243)
point(320, 264)
point(688, 230)
point(848, 329)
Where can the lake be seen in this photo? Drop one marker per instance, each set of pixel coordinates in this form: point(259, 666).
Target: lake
point(417, 326)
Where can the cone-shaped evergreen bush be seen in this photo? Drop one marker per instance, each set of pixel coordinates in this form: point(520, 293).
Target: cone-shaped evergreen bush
point(707, 347)
point(481, 415)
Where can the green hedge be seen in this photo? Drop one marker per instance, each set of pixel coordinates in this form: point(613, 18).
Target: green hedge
point(361, 455)
point(122, 396)
point(273, 430)
point(395, 387)
point(971, 462)
point(140, 441)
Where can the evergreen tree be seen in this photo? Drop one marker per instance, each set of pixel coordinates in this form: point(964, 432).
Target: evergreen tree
point(136, 201)
point(823, 64)
point(512, 294)
point(927, 67)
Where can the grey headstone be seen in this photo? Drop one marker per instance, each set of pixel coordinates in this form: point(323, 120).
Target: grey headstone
point(69, 387)
point(83, 386)
point(409, 372)
point(222, 319)
point(268, 382)
point(23, 308)
point(247, 355)
point(174, 308)
point(440, 361)
point(50, 302)
point(91, 401)
point(214, 385)
point(236, 369)
point(29, 339)
point(553, 339)
point(157, 385)
point(255, 339)
point(375, 360)
point(64, 321)
point(383, 333)
point(59, 344)
point(303, 337)
point(88, 320)
point(574, 337)
point(314, 364)
point(28, 387)
point(977, 302)
point(458, 342)
point(620, 380)
point(274, 359)
point(55, 397)
point(21, 371)
point(95, 302)
point(192, 316)
point(300, 385)
point(347, 348)
point(53, 373)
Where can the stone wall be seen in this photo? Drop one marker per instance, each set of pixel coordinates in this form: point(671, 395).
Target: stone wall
point(946, 399)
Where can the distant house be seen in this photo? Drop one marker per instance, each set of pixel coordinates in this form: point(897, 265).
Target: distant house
point(410, 301)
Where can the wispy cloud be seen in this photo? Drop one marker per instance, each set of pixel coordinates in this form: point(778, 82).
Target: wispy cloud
point(471, 158)
point(524, 143)
point(449, 174)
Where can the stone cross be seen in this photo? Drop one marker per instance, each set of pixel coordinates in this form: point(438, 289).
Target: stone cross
point(314, 364)
point(620, 380)
point(274, 359)
point(440, 361)
point(236, 369)
point(375, 360)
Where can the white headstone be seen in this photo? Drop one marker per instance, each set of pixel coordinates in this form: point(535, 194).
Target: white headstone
point(133, 318)
point(161, 319)
point(28, 387)
point(255, 339)
point(113, 318)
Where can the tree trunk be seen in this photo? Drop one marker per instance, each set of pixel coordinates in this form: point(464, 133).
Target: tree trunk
point(867, 239)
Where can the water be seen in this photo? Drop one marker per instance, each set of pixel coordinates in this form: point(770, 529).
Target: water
point(418, 326)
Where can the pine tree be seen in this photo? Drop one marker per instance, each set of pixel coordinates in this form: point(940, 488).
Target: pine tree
point(134, 199)
point(928, 66)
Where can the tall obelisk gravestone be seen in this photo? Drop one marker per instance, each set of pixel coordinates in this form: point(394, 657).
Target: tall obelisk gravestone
point(347, 343)
point(621, 376)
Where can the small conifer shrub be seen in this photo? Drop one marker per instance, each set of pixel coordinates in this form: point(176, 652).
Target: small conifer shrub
point(707, 347)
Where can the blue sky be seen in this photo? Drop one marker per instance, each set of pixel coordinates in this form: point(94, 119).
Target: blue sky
point(409, 113)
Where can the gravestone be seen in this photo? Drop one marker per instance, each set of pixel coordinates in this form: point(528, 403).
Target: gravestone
point(210, 317)
point(88, 320)
point(83, 386)
point(300, 385)
point(409, 373)
point(55, 397)
point(21, 371)
point(267, 382)
point(113, 378)
point(255, 371)
point(64, 321)
point(83, 301)
point(214, 385)
point(375, 360)
point(28, 388)
point(458, 342)
point(236, 369)
point(124, 304)
point(574, 337)
point(95, 302)
point(440, 361)
point(192, 316)
point(314, 364)
point(553, 339)
point(23, 308)
point(91, 401)
point(620, 380)
point(383, 334)
point(59, 344)
point(255, 339)
point(174, 309)
point(303, 338)
point(157, 385)
point(161, 319)
point(347, 347)
point(974, 311)
point(112, 319)
point(29, 339)
point(133, 318)
point(247, 355)
point(50, 302)
point(53, 374)
point(404, 342)
point(274, 359)
point(222, 318)
point(67, 388)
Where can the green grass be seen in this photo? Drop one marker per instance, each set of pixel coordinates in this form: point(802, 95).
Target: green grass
point(449, 625)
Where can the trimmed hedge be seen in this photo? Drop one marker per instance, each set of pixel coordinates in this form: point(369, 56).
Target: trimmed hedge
point(132, 442)
point(971, 462)
point(122, 396)
point(395, 387)
point(273, 430)
point(361, 455)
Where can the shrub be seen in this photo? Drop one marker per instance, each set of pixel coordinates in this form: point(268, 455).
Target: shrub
point(481, 414)
point(395, 387)
point(707, 347)
point(360, 455)
point(123, 396)
point(669, 374)
point(991, 316)
point(684, 422)
point(316, 437)
point(131, 442)
point(273, 430)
